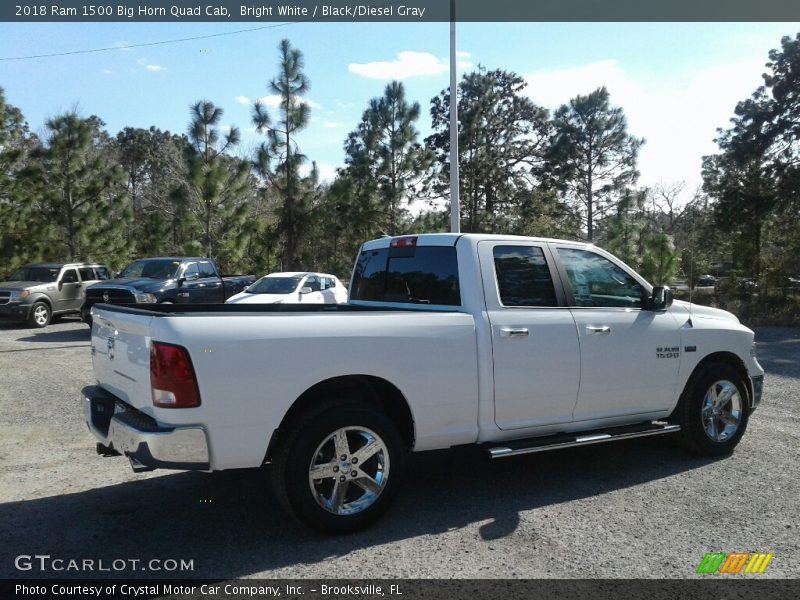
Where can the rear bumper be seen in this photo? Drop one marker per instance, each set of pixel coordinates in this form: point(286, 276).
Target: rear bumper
point(148, 445)
point(16, 311)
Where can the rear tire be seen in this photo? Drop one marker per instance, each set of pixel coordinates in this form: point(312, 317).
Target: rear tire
point(339, 467)
point(40, 315)
point(713, 411)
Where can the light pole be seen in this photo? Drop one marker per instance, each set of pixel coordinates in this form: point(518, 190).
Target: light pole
point(455, 225)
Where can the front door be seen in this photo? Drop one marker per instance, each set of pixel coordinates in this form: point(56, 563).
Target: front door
point(534, 343)
point(69, 291)
point(629, 356)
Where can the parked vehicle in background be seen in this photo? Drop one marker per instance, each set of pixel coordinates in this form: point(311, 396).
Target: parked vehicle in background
point(293, 288)
point(173, 280)
point(40, 293)
point(706, 281)
point(515, 344)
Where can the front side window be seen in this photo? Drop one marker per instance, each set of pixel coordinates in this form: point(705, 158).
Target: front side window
point(411, 275)
point(102, 273)
point(595, 281)
point(70, 276)
point(312, 283)
point(87, 274)
point(191, 271)
point(523, 278)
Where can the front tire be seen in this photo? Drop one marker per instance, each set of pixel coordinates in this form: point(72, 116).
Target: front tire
point(40, 315)
point(713, 411)
point(339, 468)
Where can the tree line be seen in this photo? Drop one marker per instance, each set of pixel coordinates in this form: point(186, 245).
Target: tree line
point(79, 193)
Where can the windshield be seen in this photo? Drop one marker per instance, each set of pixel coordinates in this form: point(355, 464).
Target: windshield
point(274, 285)
point(43, 274)
point(162, 268)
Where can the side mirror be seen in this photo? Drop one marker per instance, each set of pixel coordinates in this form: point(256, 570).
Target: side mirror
point(661, 298)
point(305, 290)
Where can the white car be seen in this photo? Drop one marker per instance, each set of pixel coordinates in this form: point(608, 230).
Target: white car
point(293, 288)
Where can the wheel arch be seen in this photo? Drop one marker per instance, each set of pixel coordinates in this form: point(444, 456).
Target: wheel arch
point(369, 389)
point(729, 359)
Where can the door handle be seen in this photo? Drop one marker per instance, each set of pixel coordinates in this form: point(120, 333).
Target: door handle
point(600, 329)
point(514, 332)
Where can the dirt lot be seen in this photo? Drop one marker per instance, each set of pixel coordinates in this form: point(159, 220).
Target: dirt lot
point(641, 508)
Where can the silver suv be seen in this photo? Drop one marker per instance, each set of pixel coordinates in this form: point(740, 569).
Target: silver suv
point(39, 293)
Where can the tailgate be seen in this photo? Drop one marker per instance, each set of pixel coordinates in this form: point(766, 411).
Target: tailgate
point(121, 356)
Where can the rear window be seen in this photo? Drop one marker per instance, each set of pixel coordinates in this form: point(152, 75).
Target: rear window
point(415, 275)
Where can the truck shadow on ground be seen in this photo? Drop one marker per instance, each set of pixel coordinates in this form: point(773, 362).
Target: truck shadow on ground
point(230, 523)
point(52, 337)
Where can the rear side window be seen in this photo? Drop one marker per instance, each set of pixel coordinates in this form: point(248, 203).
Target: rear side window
point(87, 274)
point(523, 278)
point(102, 273)
point(416, 275)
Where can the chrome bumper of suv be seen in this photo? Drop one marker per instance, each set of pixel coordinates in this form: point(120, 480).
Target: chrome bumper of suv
point(122, 429)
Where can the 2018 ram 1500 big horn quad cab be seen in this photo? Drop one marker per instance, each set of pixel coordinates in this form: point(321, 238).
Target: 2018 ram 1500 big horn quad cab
point(170, 280)
point(516, 344)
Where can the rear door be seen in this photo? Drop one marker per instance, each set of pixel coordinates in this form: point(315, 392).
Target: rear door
point(534, 342)
point(629, 356)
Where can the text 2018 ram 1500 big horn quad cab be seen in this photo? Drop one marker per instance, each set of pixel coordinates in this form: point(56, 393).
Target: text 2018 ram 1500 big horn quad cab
point(516, 344)
point(166, 280)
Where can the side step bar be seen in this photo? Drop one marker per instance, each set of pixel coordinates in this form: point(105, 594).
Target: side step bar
point(556, 442)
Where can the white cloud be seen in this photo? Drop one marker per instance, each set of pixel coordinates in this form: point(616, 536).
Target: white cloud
point(331, 124)
point(155, 68)
point(678, 116)
point(243, 100)
point(107, 72)
point(123, 45)
point(407, 64)
point(141, 61)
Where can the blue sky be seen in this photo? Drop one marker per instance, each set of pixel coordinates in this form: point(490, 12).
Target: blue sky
point(676, 82)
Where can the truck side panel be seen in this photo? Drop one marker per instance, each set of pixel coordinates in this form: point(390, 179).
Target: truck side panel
point(258, 365)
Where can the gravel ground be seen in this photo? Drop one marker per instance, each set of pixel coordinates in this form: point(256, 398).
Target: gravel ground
point(641, 508)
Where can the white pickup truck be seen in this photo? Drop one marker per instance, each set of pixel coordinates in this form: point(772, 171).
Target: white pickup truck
point(516, 344)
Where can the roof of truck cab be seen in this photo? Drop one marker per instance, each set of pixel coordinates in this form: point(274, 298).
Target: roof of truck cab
point(63, 264)
point(450, 239)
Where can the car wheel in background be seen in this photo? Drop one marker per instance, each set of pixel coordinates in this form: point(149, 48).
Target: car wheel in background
point(40, 315)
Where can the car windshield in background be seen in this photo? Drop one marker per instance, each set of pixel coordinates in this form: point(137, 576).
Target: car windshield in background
point(43, 274)
point(152, 269)
point(416, 275)
point(274, 285)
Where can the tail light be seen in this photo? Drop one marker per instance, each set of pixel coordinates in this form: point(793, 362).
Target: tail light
point(172, 377)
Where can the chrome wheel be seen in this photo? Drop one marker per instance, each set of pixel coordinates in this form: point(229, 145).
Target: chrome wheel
point(40, 315)
point(721, 411)
point(349, 470)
